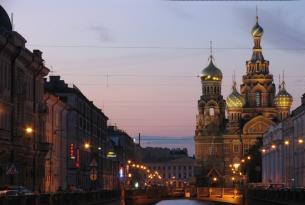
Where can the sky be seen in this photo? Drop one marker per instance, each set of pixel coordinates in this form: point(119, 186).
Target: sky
point(139, 60)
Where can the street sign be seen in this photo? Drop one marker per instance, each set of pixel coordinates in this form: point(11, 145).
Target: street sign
point(11, 170)
point(93, 163)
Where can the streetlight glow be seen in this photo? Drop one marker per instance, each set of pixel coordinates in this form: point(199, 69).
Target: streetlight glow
point(286, 142)
point(263, 150)
point(87, 145)
point(300, 141)
point(29, 130)
point(273, 146)
point(215, 179)
point(249, 157)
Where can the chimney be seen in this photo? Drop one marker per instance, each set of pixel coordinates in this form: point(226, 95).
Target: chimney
point(303, 99)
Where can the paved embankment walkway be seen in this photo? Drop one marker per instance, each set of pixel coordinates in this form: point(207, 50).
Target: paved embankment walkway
point(224, 199)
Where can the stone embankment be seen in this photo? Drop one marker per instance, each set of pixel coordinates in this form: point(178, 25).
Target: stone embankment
point(88, 198)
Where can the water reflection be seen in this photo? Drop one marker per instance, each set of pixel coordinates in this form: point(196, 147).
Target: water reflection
point(183, 202)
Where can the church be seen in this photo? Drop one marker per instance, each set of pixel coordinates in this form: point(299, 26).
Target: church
point(223, 140)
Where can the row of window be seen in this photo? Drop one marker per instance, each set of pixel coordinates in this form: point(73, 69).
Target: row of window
point(211, 89)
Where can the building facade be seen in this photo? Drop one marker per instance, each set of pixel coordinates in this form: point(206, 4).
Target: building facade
point(22, 111)
point(86, 135)
point(221, 142)
point(56, 135)
point(284, 150)
point(177, 173)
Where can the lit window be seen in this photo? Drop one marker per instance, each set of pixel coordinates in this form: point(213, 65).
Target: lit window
point(211, 111)
point(258, 99)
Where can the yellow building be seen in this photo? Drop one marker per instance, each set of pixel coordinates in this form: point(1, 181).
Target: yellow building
point(219, 142)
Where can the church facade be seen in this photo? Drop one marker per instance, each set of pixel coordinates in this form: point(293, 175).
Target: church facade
point(221, 141)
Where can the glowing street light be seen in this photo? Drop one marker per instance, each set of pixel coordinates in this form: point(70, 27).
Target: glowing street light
point(236, 165)
point(242, 161)
point(286, 142)
point(215, 179)
point(29, 130)
point(300, 141)
point(233, 178)
point(129, 161)
point(263, 150)
point(87, 145)
point(273, 146)
point(249, 157)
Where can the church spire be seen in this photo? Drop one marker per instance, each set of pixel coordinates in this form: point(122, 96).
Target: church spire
point(257, 33)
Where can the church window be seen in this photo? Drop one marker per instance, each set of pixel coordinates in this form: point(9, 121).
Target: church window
point(258, 99)
point(211, 111)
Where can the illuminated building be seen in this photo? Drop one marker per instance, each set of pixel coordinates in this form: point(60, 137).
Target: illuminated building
point(220, 141)
point(284, 164)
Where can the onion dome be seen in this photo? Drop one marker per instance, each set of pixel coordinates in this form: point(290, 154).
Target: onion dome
point(211, 72)
point(257, 30)
point(283, 98)
point(5, 21)
point(235, 100)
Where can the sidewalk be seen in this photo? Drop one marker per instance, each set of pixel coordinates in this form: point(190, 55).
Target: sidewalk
point(226, 199)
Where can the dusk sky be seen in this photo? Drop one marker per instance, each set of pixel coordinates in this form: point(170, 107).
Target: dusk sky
point(152, 51)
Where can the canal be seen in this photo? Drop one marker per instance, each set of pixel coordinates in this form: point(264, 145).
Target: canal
point(184, 202)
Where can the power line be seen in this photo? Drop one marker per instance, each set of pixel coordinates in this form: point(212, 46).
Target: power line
point(158, 47)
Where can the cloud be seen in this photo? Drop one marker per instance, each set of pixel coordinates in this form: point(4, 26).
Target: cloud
point(169, 142)
point(280, 31)
point(103, 33)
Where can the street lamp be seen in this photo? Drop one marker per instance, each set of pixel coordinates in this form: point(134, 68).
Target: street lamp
point(29, 130)
point(249, 157)
point(87, 145)
point(300, 141)
point(273, 146)
point(286, 142)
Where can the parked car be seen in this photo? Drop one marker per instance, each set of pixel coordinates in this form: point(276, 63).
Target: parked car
point(15, 191)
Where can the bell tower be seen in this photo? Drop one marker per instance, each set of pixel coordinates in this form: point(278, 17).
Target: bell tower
point(210, 121)
point(257, 86)
point(211, 105)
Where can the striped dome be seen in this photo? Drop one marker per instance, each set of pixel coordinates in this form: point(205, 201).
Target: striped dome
point(283, 98)
point(235, 100)
point(257, 30)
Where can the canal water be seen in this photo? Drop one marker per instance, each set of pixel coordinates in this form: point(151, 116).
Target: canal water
point(183, 202)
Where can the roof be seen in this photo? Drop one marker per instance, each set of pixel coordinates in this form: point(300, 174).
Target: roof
point(5, 21)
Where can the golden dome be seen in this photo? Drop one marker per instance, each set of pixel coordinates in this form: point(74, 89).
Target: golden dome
point(235, 100)
point(211, 72)
point(283, 98)
point(257, 30)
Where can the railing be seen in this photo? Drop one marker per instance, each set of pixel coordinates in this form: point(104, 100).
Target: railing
point(217, 191)
point(86, 198)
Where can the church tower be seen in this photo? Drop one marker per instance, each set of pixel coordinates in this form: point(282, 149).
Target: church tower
point(283, 101)
point(235, 103)
point(210, 121)
point(257, 86)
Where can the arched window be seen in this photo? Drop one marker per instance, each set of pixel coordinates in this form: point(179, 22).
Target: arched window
point(211, 111)
point(258, 99)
